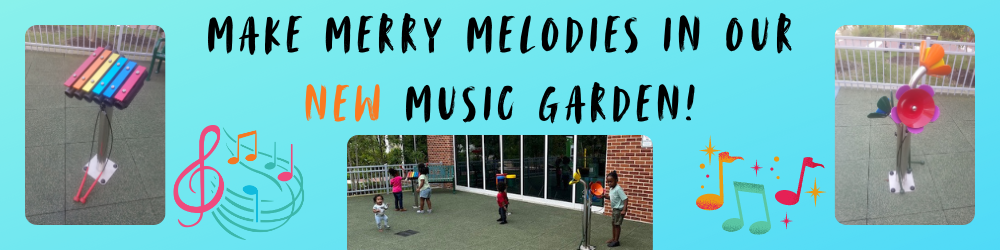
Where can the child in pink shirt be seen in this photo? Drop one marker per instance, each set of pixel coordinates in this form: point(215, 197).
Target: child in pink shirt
point(397, 188)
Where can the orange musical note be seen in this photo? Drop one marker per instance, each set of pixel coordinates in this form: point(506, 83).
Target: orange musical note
point(715, 201)
point(250, 157)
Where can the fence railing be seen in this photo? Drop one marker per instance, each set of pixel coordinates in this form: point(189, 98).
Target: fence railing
point(887, 63)
point(132, 40)
point(365, 180)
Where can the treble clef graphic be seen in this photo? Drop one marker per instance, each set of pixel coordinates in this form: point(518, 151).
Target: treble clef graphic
point(200, 164)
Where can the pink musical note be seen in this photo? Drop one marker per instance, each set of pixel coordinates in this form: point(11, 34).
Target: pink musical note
point(787, 197)
point(285, 176)
point(200, 164)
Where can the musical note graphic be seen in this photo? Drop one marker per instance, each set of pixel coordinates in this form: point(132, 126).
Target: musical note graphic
point(285, 176)
point(252, 190)
point(787, 197)
point(250, 157)
point(760, 227)
point(274, 157)
point(715, 201)
point(200, 164)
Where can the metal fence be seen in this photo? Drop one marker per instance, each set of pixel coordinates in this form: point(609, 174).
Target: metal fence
point(887, 63)
point(365, 180)
point(131, 40)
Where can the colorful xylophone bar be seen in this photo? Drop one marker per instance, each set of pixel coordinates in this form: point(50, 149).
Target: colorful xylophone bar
point(106, 77)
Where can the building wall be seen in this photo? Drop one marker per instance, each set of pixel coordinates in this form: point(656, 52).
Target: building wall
point(635, 174)
point(441, 148)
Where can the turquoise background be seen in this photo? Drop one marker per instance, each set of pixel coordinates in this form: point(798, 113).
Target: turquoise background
point(756, 104)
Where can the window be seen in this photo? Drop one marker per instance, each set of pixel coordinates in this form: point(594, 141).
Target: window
point(461, 164)
point(476, 161)
point(492, 158)
point(560, 167)
point(512, 162)
point(534, 166)
point(590, 160)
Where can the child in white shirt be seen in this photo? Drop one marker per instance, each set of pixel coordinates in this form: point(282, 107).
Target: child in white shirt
point(379, 210)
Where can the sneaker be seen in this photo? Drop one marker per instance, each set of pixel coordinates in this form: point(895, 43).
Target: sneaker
point(420, 211)
point(499, 219)
point(614, 244)
point(430, 210)
point(503, 222)
point(402, 210)
point(387, 227)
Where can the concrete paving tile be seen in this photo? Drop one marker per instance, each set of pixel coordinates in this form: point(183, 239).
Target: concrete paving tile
point(852, 143)
point(883, 141)
point(47, 68)
point(44, 127)
point(80, 124)
point(955, 176)
point(852, 115)
point(957, 108)
point(852, 190)
point(926, 218)
point(882, 203)
point(968, 129)
point(941, 138)
point(855, 96)
point(44, 179)
point(125, 185)
point(141, 121)
point(149, 157)
point(855, 222)
point(44, 97)
point(960, 216)
point(139, 212)
point(56, 218)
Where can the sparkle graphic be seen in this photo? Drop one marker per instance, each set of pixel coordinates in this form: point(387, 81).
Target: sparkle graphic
point(772, 169)
point(709, 150)
point(775, 158)
point(815, 192)
point(755, 168)
point(706, 176)
point(702, 166)
point(786, 221)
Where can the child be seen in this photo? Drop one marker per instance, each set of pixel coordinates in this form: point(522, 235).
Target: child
point(619, 206)
point(379, 210)
point(397, 189)
point(425, 189)
point(502, 202)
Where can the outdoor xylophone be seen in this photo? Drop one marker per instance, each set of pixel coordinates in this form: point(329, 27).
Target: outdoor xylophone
point(108, 79)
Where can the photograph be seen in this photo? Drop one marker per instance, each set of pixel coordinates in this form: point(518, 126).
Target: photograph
point(94, 124)
point(500, 191)
point(905, 124)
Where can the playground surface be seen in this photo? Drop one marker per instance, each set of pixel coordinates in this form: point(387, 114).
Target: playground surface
point(943, 163)
point(58, 134)
point(468, 221)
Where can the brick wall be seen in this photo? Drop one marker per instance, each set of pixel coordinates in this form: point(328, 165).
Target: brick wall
point(441, 148)
point(635, 174)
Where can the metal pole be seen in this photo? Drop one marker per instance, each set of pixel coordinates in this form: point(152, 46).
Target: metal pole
point(104, 131)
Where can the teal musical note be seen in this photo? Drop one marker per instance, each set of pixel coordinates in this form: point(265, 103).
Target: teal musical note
point(270, 165)
point(252, 190)
point(760, 227)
